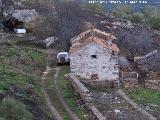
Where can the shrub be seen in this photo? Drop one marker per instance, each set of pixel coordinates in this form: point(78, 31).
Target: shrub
point(137, 17)
point(97, 7)
point(11, 109)
point(122, 11)
point(152, 17)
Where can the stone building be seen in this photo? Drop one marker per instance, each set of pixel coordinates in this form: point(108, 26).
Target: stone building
point(94, 56)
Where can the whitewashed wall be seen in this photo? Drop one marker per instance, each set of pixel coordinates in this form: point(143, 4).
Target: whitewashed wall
point(82, 64)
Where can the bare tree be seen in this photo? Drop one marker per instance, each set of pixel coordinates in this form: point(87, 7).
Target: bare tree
point(70, 22)
point(135, 42)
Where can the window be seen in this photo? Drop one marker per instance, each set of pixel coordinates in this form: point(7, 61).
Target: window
point(93, 56)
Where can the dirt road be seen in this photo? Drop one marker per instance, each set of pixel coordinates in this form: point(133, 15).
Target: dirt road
point(57, 85)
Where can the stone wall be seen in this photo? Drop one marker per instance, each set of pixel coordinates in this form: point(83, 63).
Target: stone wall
point(85, 94)
point(102, 83)
point(153, 84)
point(97, 113)
point(104, 65)
point(130, 83)
point(126, 75)
point(80, 88)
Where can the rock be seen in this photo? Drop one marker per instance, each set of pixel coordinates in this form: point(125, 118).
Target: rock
point(117, 23)
point(28, 17)
point(117, 111)
point(25, 15)
point(124, 24)
point(49, 41)
point(129, 25)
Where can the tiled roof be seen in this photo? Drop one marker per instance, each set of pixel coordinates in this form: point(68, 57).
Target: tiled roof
point(92, 32)
point(79, 45)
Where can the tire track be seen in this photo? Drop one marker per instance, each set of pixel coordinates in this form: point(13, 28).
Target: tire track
point(57, 82)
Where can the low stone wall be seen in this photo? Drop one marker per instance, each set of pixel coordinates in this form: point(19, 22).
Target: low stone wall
point(130, 83)
point(136, 106)
point(85, 94)
point(102, 83)
point(126, 75)
point(153, 84)
point(98, 114)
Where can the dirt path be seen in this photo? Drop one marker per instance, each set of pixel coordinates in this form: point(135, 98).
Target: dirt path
point(57, 82)
point(48, 55)
point(49, 103)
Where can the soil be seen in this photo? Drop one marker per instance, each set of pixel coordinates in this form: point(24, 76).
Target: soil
point(113, 107)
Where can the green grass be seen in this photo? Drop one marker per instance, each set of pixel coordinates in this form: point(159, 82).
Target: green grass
point(146, 95)
point(20, 71)
point(25, 53)
point(51, 89)
point(68, 94)
point(12, 109)
point(11, 78)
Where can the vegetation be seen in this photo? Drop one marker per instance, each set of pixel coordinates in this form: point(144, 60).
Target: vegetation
point(122, 11)
point(69, 95)
point(149, 15)
point(52, 92)
point(146, 96)
point(135, 42)
point(20, 70)
point(11, 109)
point(96, 7)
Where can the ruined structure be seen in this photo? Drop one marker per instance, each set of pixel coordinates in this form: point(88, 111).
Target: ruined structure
point(94, 56)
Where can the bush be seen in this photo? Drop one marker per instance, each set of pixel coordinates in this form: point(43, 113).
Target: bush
point(11, 109)
point(122, 11)
point(97, 7)
point(137, 17)
point(154, 22)
point(152, 17)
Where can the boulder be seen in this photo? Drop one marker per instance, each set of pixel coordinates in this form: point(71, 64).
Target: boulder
point(49, 41)
point(28, 17)
point(25, 15)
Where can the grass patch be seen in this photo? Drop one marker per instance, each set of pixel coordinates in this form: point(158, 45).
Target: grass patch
point(51, 89)
point(146, 96)
point(20, 70)
point(11, 109)
point(68, 93)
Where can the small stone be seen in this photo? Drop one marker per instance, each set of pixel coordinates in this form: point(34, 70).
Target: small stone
point(117, 111)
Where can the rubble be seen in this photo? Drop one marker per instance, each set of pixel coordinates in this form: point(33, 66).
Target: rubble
point(125, 24)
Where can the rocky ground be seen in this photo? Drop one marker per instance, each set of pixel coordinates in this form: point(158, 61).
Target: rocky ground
point(113, 107)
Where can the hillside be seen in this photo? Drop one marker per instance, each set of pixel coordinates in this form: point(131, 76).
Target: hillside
point(23, 56)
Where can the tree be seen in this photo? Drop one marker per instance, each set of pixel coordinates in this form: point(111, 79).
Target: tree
point(122, 11)
point(70, 22)
point(135, 42)
point(152, 17)
point(95, 7)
